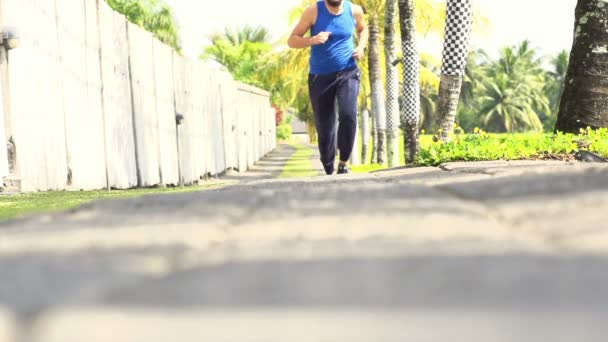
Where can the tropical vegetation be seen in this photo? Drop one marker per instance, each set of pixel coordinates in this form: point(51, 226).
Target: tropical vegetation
point(153, 15)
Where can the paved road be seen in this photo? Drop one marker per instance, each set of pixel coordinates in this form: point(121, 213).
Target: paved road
point(496, 251)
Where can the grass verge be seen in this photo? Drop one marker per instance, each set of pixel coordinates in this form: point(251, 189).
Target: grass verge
point(13, 206)
point(300, 163)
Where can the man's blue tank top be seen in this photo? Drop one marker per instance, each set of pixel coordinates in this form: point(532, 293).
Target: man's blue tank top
point(337, 53)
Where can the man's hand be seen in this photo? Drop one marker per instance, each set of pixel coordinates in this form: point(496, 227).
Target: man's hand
point(320, 38)
point(359, 53)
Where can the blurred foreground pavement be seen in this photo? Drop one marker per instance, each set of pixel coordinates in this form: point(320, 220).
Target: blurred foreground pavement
point(492, 251)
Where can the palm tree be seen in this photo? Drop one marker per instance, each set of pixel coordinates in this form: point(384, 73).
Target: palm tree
point(558, 75)
point(392, 84)
point(455, 52)
point(474, 74)
point(240, 35)
point(429, 88)
point(509, 109)
point(244, 52)
point(584, 103)
point(554, 88)
point(375, 9)
point(472, 86)
point(377, 87)
point(411, 79)
point(513, 91)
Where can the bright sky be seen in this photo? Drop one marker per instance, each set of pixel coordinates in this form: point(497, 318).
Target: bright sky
point(547, 23)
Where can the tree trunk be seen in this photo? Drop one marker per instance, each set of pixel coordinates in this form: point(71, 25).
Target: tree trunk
point(365, 134)
point(377, 88)
point(584, 102)
point(449, 94)
point(392, 85)
point(374, 159)
point(411, 142)
point(455, 54)
point(411, 79)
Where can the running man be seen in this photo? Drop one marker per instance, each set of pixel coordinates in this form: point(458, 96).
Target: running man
point(334, 74)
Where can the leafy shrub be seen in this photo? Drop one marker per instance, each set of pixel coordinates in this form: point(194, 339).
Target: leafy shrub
point(483, 146)
point(284, 132)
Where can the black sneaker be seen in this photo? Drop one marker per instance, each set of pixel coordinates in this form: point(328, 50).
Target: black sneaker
point(343, 169)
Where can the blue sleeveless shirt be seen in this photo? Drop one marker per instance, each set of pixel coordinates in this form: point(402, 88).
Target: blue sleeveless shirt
point(337, 53)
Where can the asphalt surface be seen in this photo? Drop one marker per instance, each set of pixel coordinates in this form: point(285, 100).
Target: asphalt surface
point(491, 251)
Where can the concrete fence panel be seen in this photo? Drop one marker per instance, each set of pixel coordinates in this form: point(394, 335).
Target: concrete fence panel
point(4, 171)
point(229, 105)
point(145, 117)
point(182, 80)
point(215, 119)
point(198, 121)
point(37, 120)
point(242, 149)
point(117, 106)
point(81, 84)
point(165, 107)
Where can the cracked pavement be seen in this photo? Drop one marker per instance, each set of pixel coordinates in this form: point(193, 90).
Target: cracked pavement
point(489, 251)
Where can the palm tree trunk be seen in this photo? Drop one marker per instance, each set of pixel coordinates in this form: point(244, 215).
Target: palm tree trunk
point(455, 54)
point(365, 134)
point(374, 159)
point(584, 102)
point(447, 106)
point(411, 79)
point(378, 98)
point(392, 85)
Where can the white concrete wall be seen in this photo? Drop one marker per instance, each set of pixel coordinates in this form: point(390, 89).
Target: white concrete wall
point(3, 151)
point(145, 117)
point(36, 111)
point(117, 105)
point(165, 107)
point(182, 80)
point(93, 103)
point(81, 93)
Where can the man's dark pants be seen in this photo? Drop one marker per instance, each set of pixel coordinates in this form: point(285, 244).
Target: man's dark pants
point(324, 91)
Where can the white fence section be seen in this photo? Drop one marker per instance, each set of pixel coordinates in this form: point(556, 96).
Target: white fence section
point(117, 105)
point(94, 100)
point(3, 152)
point(165, 107)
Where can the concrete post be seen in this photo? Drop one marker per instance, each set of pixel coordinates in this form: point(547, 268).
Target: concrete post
point(11, 182)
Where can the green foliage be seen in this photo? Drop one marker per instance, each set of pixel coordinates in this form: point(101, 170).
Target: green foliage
point(284, 132)
point(554, 88)
point(480, 146)
point(508, 94)
point(245, 52)
point(244, 61)
point(153, 15)
point(484, 146)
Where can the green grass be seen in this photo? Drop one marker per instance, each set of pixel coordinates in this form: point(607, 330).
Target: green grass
point(366, 168)
point(300, 163)
point(13, 206)
point(481, 146)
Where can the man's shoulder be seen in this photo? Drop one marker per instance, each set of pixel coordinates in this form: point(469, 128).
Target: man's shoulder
point(357, 9)
point(312, 9)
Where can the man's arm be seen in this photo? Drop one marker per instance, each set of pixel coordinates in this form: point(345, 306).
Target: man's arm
point(297, 39)
point(362, 32)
